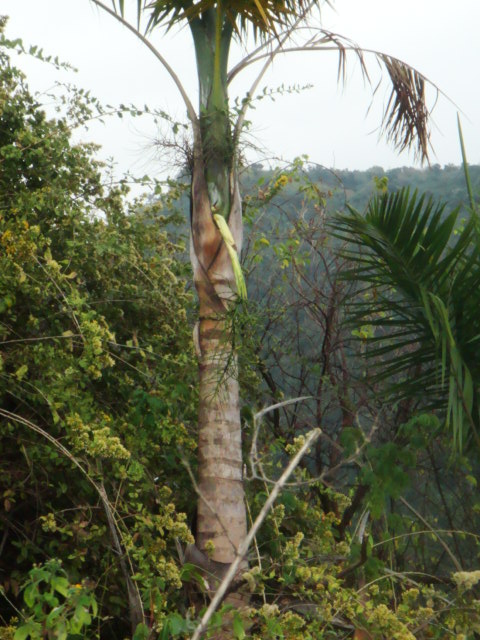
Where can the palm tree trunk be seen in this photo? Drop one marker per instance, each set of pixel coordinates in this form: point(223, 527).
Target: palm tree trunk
point(221, 520)
point(221, 508)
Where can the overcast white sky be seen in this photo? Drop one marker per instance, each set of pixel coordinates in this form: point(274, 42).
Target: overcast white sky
point(329, 123)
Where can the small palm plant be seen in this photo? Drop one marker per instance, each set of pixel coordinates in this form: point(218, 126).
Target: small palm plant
point(418, 267)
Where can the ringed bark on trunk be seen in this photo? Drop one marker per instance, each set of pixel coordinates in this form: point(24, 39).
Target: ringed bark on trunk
point(221, 520)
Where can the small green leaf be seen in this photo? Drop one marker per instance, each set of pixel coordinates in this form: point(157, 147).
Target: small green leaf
point(21, 633)
point(53, 615)
point(29, 595)
point(61, 585)
point(176, 624)
point(21, 372)
point(238, 630)
point(31, 630)
point(471, 481)
point(141, 632)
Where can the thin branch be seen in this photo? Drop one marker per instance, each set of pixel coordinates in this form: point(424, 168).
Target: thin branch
point(244, 62)
point(254, 460)
point(255, 55)
point(61, 336)
point(409, 534)
point(271, 57)
point(456, 563)
point(34, 427)
point(471, 197)
point(314, 43)
point(190, 109)
point(317, 47)
point(405, 575)
point(243, 548)
point(257, 550)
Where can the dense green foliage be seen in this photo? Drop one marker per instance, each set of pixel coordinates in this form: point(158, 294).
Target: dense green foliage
point(377, 531)
point(388, 454)
point(96, 388)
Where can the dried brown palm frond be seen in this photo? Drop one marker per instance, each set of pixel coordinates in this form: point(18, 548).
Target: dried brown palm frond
point(329, 40)
point(406, 116)
point(405, 119)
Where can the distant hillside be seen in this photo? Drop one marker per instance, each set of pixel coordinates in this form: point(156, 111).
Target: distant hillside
point(446, 184)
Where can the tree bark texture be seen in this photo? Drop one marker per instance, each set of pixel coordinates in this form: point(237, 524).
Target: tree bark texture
point(221, 519)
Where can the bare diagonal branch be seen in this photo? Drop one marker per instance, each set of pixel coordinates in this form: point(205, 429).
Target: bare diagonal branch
point(242, 550)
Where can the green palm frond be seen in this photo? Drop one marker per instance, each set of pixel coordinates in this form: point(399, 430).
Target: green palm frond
point(420, 279)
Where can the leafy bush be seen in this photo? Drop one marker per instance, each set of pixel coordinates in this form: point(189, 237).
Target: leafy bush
point(96, 386)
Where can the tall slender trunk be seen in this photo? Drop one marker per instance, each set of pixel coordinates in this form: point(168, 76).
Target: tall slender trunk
point(221, 508)
point(221, 519)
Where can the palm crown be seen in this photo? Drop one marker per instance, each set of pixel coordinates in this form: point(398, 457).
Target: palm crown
point(273, 22)
point(264, 15)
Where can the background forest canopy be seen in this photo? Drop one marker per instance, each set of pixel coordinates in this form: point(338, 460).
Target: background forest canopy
point(371, 313)
point(446, 184)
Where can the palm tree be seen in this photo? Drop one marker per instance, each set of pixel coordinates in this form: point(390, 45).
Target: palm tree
point(419, 274)
point(216, 215)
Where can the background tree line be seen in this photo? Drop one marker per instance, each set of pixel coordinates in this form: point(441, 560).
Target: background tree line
point(446, 184)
